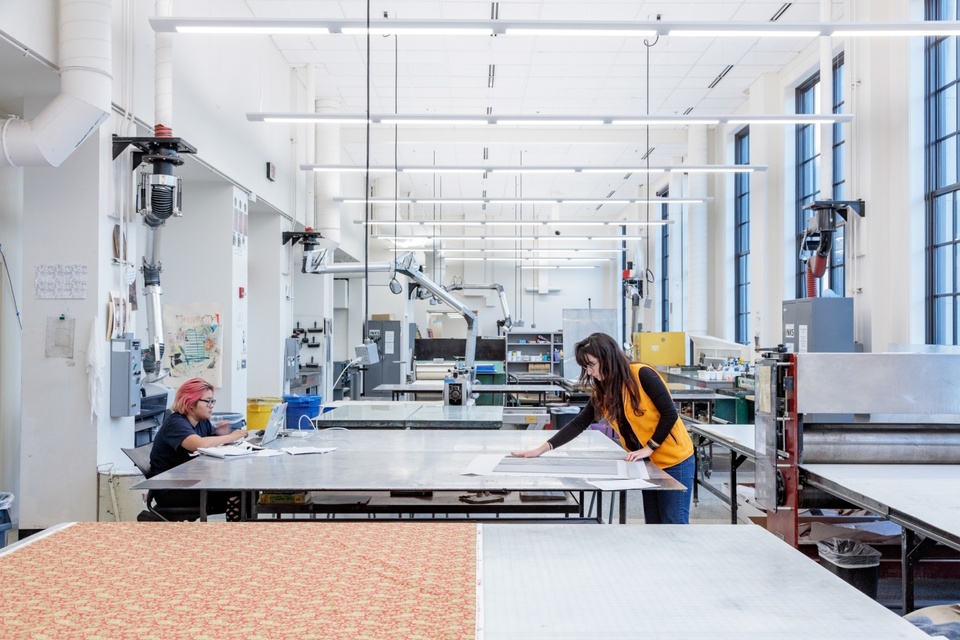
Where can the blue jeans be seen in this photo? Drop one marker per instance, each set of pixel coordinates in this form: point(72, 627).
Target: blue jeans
point(670, 507)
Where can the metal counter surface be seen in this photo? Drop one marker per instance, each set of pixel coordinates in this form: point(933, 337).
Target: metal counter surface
point(366, 460)
point(410, 415)
point(921, 497)
point(705, 581)
point(736, 437)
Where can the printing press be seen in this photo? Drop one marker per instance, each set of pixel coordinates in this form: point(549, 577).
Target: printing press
point(848, 408)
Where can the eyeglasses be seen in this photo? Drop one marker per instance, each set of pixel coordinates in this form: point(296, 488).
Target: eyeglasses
point(210, 401)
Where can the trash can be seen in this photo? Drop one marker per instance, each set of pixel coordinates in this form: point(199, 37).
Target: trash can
point(258, 411)
point(560, 416)
point(300, 409)
point(856, 563)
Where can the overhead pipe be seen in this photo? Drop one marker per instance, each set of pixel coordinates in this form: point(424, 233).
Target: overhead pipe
point(83, 103)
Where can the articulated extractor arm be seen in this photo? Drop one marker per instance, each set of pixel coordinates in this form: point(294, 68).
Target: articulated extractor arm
point(407, 266)
point(507, 322)
point(158, 199)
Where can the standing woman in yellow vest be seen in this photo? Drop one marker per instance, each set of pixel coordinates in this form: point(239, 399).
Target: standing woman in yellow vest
point(635, 401)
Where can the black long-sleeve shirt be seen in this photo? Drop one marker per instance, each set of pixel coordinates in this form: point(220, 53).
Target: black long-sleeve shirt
point(651, 384)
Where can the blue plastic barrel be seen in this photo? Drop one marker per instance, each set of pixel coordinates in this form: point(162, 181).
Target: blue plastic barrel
point(301, 409)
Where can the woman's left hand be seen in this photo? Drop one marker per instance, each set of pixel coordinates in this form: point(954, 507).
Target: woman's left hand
point(639, 454)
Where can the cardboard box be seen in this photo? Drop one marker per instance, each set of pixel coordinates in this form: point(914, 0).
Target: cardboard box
point(540, 367)
point(299, 497)
point(382, 316)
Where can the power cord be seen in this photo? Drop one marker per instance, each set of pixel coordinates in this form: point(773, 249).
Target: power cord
point(12, 292)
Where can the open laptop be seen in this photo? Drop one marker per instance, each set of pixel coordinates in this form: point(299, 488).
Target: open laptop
point(278, 416)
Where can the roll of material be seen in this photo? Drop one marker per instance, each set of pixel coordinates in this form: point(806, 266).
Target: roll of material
point(843, 444)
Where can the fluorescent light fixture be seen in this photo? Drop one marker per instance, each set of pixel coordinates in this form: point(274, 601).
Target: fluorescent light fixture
point(663, 121)
point(718, 168)
point(530, 259)
point(442, 170)
point(719, 31)
point(388, 236)
point(522, 200)
point(525, 250)
point(518, 223)
point(574, 31)
point(542, 120)
point(442, 120)
point(533, 170)
point(307, 118)
point(345, 169)
point(389, 30)
point(623, 169)
point(549, 121)
point(539, 28)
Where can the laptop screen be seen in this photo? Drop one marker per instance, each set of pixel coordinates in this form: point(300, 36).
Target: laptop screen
point(277, 418)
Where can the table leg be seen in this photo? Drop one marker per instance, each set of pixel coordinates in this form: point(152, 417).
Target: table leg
point(203, 505)
point(735, 461)
point(623, 507)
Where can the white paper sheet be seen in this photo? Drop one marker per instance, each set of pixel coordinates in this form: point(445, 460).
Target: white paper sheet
point(552, 466)
point(621, 485)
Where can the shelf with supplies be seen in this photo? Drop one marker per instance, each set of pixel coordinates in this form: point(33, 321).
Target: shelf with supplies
point(536, 352)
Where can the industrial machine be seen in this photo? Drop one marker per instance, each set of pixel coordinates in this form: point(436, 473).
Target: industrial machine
point(847, 408)
point(315, 248)
point(158, 199)
point(506, 322)
point(826, 218)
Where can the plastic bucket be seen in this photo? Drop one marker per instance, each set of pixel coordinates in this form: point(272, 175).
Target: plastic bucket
point(301, 409)
point(258, 412)
point(236, 420)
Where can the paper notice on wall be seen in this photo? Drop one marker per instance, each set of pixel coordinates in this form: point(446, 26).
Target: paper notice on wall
point(388, 341)
point(802, 339)
point(60, 281)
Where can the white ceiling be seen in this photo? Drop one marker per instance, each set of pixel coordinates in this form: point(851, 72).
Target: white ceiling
point(545, 75)
point(533, 75)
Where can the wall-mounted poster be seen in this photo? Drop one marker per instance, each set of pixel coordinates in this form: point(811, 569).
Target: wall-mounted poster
point(193, 335)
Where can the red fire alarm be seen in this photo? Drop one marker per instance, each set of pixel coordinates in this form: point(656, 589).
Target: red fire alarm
point(242, 292)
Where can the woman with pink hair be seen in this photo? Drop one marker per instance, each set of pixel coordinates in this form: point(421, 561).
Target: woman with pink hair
point(185, 430)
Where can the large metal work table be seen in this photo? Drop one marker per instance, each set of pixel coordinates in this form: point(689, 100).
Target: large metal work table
point(710, 581)
point(434, 580)
point(435, 387)
point(410, 415)
point(922, 498)
point(394, 460)
point(739, 439)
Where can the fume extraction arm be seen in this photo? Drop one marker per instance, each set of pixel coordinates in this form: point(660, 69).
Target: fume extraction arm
point(818, 236)
point(158, 199)
point(406, 264)
point(458, 285)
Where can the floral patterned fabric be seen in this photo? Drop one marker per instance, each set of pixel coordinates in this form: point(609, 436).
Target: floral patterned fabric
point(243, 580)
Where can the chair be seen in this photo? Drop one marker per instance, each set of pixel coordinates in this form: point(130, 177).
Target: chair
point(140, 456)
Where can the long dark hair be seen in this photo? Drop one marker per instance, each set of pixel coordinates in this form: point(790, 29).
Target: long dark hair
point(607, 396)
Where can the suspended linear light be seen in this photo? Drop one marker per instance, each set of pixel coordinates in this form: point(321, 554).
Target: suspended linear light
point(518, 223)
point(546, 120)
point(731, 168)
point(522, 200)
point(558, 28)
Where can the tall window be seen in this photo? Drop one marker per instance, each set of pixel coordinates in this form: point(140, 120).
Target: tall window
point(664, 263)
point(808, 175)
point(808, 169)
point(943, 182)
point(741, 239)
point(834, 278)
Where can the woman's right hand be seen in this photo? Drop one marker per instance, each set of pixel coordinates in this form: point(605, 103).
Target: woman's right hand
point(532, 453)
